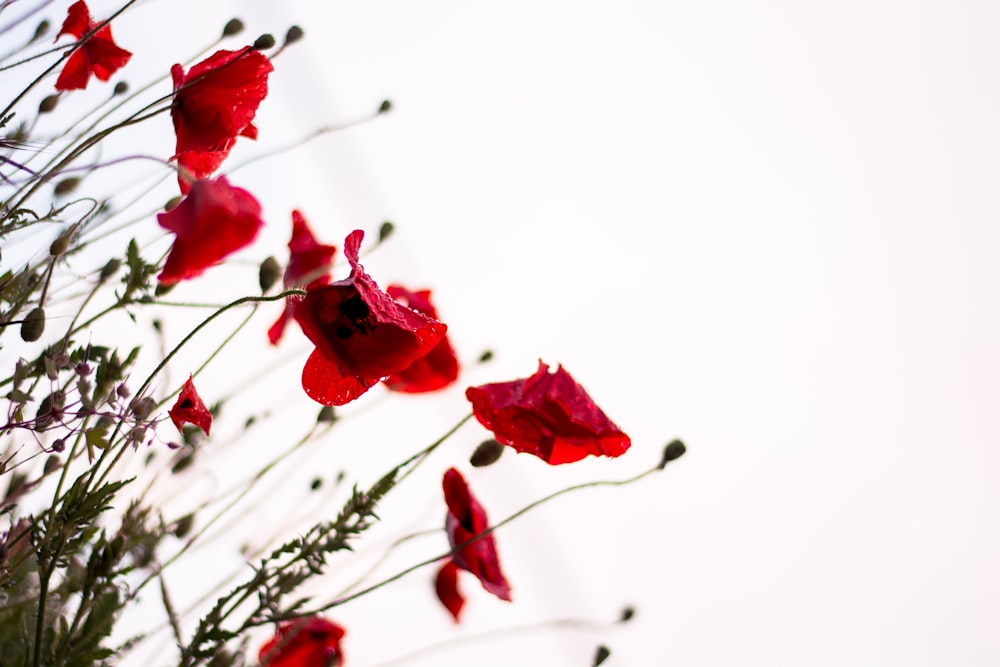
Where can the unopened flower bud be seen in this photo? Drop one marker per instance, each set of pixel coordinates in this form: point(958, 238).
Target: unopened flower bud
point(485, 356)
point(142, 407)
point(316, 483)
point(58, 445)
point(66, 186)
point(52, 464)
point(162, 290)
point(293, 35)
point(385, 230)
point(110, 269)
point(264, 42)
point(385, 107)
point(674, 450)
point(60, 245)
point(627, 614)
point(172, 203)
point(120, 88)
point(123, 391)
point(326, 414)
point(183, 525)
point(233, 27)
point(602, 654)
point(33, 325)
point(487, 453)
point(48, 103)
point(43, 27)
point(270, 271)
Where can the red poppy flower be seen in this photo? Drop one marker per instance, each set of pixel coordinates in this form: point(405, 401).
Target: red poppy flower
point(466, 518)
point(308, 264)
point(439, 367)
point(214, 103)
point(190, 409)
point(306, 642)
point(548, 415)
point(98, 55)
point(361, 334)
point(214, 220)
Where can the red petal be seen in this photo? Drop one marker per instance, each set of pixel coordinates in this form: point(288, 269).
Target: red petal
point(190, 409)
point(446, 586)
point(77, 20)
point(306, 642)
point(435, 370)
point(75, 73)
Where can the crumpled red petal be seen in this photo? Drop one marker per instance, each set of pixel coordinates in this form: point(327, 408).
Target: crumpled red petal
point(435, 370)
point(549, 415)
point(190, 409)
point(306, 642)
point(446, 587)
point(98, 56)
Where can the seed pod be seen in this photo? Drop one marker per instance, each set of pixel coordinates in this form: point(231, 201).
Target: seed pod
point(33, 325)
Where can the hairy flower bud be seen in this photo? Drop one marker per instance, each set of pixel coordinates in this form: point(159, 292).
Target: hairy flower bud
point(601, 654)
point(293, 35)
point(66, 186)
point(33, 325)
point(120, 88)
point(487, 453)
point(264, 42)
point(52, 464)
point(61, 244)
point(233, 27)
point(110, 269)
point(270, 271)
point(183, 525)
point(385, 107)
point(48, 103)
point(385, 230)
point(41, 30)
point(673, 451)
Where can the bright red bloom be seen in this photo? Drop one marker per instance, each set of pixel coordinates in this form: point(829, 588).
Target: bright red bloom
point(439, 367)
point(214, 103)
point(214, 220)
point(99, 55)
point(308, 264)
point(548, 415)
point(361, 334)
point(190, 409)
point(306, 642)
point(466, 519)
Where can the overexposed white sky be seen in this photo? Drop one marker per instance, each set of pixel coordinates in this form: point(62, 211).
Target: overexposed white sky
point(767, 228)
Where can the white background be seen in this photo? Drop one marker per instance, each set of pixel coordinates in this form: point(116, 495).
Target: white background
point(769, 228)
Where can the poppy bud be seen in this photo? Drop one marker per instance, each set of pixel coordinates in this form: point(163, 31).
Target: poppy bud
point(66, 186)
point(233, 27)
point(52, 464)
point(33, 325)
point(627, 614)
point(162, 289)
point(264, 42)
point(485, 356)
point(316, 483)
point(172, 203)
point(48, 103)
point(60, 245)
point(293, 35)
point(120, 88)
point(270, 271)
point(43, 27)
point(385, 230)
point(674, 450)
point(183, 525)
point(326, 414)
point(110, 269)
point(487, 453)
point(385, 107)
point(602, 654)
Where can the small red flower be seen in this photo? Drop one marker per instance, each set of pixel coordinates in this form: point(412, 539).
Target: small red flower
point(214, 103)
point(306, 642)
point(548, 415)
point(361, 334)
point(214, 220)
point(190, 409)
point(466, 518)
point(98, 55)
point(308, 264)
point(439, 367)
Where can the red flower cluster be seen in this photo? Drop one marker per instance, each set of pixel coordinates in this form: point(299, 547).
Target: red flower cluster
point(214, 220)
point(361, 334)
point(309, 264)
point(548, 415)
point(439, 367)
point(307, 642)
point(466, 518)
point(98, 55)
point(190, 409)
point(214, 103)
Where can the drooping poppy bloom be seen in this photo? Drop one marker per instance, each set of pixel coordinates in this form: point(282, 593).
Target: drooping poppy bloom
point(548, 415)
point(308, 265)
point(466, 518)
point(361, 334)
point(190, 409)
point(98, 55)
point(214, 103)
point(439, 367)
point(214, 220)
point(306, 642)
